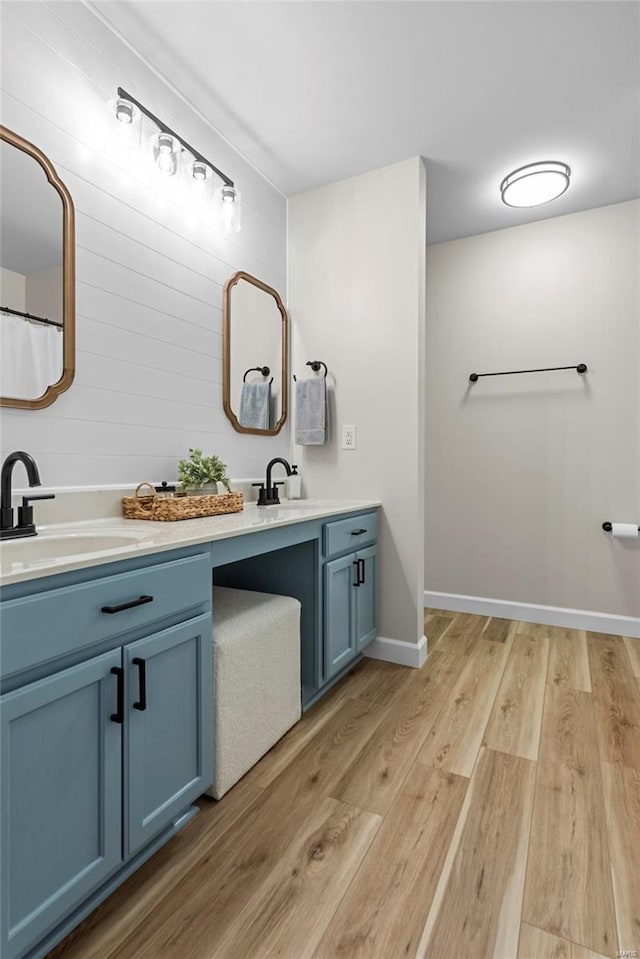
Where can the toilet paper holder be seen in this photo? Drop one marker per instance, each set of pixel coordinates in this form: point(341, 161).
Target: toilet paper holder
point(607, 526)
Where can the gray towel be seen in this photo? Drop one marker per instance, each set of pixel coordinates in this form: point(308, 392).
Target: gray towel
point(255, 399)
point(311, 411)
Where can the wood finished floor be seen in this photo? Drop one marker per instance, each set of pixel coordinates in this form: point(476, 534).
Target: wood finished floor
point(486, 805)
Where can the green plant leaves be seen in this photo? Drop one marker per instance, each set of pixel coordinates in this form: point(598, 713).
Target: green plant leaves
point(197, 470)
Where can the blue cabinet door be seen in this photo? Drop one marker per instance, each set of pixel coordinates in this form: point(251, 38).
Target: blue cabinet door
point(366, 597)
point(169, 738)
point(340, 577)
point(61, 802)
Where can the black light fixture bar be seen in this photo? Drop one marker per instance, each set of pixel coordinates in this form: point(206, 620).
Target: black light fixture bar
point(166, 129)
point(580, 368)
point(30, 316)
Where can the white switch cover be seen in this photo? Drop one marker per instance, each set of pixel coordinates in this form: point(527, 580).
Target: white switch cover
point(349, 438)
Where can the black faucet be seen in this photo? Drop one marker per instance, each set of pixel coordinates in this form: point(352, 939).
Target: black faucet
point(25, 525)
point(269, 496)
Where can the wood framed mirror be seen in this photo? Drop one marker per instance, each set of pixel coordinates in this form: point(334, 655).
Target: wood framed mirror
point(37, 277)
point(255, 372)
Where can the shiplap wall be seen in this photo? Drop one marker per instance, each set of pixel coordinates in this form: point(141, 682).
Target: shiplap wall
point(148, 278)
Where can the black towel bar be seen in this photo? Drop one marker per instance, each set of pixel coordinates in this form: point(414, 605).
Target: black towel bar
point(580, 368)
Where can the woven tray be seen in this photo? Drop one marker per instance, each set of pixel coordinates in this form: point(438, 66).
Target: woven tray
point(169, 509)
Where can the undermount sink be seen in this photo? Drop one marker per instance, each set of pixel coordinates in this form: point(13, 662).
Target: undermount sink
point(47, 547)
point(291, 504)
point(307, 504)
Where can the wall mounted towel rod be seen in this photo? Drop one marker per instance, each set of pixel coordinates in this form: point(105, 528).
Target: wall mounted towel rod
point(263, 370)
point(607, 527)
point(315, 366)
point(30, 316)
point(580, 368)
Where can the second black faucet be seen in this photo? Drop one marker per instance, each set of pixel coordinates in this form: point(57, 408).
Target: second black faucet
point(269, 496)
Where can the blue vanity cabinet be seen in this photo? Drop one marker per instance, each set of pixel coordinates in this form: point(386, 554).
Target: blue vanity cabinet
point(339, 600)
point(61, 824)
point(106, 723)
point(106, 703)
point(350, 595)
point(365, 617)
point(169, 755)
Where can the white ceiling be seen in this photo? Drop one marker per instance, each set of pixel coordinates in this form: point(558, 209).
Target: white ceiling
point(313, 92)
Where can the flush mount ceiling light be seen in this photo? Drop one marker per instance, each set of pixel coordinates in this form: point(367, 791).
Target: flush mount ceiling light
point(535, 184)
point(166, 149)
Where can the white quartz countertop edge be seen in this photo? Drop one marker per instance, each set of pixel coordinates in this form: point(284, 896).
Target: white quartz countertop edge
point(173, 535)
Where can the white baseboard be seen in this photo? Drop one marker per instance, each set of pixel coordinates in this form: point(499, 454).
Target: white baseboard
point(398, 651)
point(530, 613)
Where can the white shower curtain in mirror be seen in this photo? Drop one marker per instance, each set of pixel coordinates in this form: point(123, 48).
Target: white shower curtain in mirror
point(30, 357)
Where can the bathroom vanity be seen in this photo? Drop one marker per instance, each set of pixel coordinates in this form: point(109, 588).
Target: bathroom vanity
point(106, 686)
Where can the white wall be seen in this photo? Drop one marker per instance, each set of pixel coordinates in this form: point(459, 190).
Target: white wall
point(357, 253)
point(13, 290)
point(522, 471)
point(149, 281)
point(44, 296)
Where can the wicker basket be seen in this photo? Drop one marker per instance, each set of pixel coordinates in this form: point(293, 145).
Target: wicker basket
point(168, 509)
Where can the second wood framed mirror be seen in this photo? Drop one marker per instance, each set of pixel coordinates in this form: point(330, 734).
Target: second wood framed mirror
point(256, 356)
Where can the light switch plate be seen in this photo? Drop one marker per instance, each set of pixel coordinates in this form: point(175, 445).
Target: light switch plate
point(349, 438)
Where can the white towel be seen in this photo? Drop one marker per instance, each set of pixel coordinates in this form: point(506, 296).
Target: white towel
point(255, 399)
point(311, 411)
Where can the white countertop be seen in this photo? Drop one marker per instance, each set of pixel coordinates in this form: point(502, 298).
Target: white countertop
point(72, 546)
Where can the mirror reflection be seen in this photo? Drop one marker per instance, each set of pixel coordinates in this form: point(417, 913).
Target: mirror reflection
point(33, 222)
point(255, 356)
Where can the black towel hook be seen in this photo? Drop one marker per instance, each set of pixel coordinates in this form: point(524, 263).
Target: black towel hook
point(263, 370)
point(315, 366)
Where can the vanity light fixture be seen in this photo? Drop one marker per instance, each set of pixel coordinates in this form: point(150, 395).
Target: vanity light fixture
point(535, 183)
point(167, 147)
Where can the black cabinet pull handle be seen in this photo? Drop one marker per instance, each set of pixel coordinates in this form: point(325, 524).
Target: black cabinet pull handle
point(141, 704)
point(361, 577)
point(358, 532)
point(140, 601)
point(118, 716)
point(356, 563)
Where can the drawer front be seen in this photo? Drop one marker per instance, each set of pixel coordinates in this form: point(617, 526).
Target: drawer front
point(37, 629)
point(350, 534)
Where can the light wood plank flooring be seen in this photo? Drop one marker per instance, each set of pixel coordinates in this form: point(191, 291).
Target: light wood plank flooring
point(486, 805)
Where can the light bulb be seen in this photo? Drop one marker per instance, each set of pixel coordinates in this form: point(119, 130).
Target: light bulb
point(535, 184)
point(124, 111)
point(199, 170)
point(165, 153)
point(229, 198)
point(122, 131)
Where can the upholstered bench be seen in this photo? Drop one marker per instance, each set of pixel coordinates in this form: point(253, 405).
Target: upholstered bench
point(256, 678)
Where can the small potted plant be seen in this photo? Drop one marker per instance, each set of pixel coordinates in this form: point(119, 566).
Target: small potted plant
point(200, 474)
